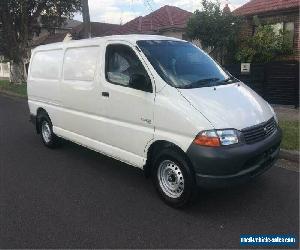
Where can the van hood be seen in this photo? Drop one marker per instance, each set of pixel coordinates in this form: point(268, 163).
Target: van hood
point(229, 106)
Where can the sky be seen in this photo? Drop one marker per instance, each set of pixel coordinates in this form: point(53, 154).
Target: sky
point(122, 11)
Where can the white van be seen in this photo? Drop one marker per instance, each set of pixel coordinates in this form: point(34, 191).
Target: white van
point(157, 103)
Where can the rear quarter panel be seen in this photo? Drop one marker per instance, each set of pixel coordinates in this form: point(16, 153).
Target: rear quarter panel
point(44, 90)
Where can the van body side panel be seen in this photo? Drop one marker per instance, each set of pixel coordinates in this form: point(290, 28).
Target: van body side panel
point(54, 111)
point(130, 119)
point(86, 115)
point(43, 85)
point(98, 146)
point(81, 93)
point(44, 77)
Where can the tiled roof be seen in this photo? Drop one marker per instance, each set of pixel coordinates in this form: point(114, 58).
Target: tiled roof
point(97, 29)
point(49, 38)
point(163, 18)
point(262, 6)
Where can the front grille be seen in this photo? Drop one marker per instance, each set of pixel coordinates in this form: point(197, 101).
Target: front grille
point(259, 132)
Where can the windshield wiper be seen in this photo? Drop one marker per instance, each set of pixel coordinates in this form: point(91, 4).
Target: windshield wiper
point(230, 79)
point(201, 83)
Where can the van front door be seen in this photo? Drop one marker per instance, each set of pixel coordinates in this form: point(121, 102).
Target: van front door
point(129, 96)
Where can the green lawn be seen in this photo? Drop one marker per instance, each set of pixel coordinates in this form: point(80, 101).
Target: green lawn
point(290, 131)
point(15, 89)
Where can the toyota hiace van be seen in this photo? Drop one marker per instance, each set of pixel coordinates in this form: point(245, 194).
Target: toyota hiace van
point(157, 103)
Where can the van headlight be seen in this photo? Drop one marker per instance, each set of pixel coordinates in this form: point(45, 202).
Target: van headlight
point(217, 138)
point(228, 136)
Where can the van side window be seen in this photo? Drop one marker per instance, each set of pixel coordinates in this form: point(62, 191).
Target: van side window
point(45, 64)
point(122, 65)
point(80, 63)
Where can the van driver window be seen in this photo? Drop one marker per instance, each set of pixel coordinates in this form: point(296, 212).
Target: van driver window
point(121, 64)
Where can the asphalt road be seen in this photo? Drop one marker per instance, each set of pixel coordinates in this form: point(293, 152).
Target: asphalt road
point(75, 198)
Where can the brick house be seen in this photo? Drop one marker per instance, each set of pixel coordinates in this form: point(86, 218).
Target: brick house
point(97, 29)
point(168, 21)
point(281, 14)
point(76, 32)
point(71, 32)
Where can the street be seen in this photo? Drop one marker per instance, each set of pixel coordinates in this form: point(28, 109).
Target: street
point(73, 197)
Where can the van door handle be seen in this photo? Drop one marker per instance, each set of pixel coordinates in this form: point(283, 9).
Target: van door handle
point(105, 94)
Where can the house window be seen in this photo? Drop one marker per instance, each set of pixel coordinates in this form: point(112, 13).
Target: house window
point(290, 28)
point(285, 26)
point(277, 27)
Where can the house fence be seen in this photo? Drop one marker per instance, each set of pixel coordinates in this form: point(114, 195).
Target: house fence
point(4, 70)
point(277, 82)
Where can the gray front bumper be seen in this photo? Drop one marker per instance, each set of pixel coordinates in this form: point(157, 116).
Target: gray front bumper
point(233, 164)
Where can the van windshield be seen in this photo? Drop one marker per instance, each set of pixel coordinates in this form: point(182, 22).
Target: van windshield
point(183, 65)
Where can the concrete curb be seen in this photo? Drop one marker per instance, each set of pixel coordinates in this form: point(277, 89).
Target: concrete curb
point(12, 94)
point(289, 155)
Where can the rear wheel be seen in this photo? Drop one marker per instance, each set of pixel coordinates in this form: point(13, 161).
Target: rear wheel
point(46, 131)
point(173, 177)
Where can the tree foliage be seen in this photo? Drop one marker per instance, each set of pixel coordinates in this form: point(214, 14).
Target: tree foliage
point(265, 45)
point(216, 29)
point(19, 18)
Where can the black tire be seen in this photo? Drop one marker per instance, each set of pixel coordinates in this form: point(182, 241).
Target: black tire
point(185, 172)
point(50, 141)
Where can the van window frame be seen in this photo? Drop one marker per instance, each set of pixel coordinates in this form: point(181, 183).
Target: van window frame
point(118, 84)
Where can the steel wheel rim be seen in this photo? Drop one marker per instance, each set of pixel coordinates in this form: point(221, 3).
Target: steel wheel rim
point(170, 179)
point(46, 131)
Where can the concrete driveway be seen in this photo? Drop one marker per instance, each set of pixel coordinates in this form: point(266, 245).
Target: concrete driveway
point(75, 198)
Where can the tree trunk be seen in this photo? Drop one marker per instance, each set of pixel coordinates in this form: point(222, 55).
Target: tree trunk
point(17, 73)
point(86, 19)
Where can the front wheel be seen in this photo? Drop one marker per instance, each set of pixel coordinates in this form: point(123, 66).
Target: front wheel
point(173, 177)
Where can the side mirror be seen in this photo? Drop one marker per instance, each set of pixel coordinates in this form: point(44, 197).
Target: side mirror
point(140, 82)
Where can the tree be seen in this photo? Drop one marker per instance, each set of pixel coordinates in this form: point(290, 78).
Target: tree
point(265, 45)
point(19, 18)
point(86, 19)
point(217, 29)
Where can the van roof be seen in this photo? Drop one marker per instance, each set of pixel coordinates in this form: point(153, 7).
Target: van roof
point(94, 41)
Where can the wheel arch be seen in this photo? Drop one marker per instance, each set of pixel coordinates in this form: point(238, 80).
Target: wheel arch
point(39, 114)
point(154, 147)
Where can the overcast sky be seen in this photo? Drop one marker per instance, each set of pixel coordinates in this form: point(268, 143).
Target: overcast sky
point(122, 11)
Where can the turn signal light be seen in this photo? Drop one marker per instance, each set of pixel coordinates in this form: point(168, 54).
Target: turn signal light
point(209, 141)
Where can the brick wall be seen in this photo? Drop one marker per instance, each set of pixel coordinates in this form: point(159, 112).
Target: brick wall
point(272, 18)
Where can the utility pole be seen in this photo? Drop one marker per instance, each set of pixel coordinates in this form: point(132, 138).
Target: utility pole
point(86, 19)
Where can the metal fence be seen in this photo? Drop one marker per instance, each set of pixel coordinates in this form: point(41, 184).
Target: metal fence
point(277, 82)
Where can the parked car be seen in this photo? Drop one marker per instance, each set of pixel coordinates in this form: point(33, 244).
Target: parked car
point(156, 103)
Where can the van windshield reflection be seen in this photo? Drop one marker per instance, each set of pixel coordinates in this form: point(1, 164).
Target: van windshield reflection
point(183, 65)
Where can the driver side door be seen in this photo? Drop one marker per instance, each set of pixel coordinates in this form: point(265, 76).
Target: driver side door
point(129, 107)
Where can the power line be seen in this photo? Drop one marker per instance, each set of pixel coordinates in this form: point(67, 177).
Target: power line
point(148, 4)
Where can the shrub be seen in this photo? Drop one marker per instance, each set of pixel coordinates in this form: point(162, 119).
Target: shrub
point(265, 45)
